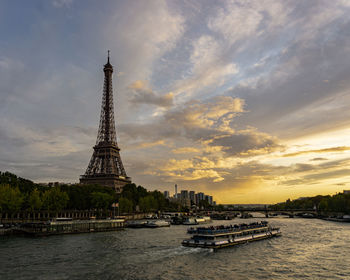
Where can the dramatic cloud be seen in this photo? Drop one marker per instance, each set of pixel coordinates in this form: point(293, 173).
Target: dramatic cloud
point(144, 95)
point(195, 120)
point(247, 142)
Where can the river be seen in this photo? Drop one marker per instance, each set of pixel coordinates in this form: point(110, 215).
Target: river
point(308, 249)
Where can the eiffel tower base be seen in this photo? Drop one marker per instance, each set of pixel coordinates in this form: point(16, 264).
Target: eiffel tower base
point(116, 182)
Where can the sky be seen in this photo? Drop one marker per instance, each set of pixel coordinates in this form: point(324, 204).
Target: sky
point(247, 101)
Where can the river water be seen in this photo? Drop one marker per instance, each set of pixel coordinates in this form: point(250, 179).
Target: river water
point(308, 249)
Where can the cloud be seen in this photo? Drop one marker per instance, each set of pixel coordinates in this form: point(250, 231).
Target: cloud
point(62, 3)
point(148, 145)
point(299, 174)
point(318, 159)
point(196, 120)
point(241, 19)
point(186, 150)
point(317, 177)
point(289, 96)
point(191, 170)
point(207, 69)
point(139, 34)
point(144, 95)
point(320, 151)
point(247, 142)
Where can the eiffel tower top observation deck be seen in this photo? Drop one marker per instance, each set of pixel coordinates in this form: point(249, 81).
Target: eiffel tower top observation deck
point(106, 167)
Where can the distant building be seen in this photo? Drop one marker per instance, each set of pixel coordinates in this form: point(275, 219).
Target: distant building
point(196, 199)
point(192, 195)
point(166, 194)
point(346, 191)
point(188, 198)
point(184, 194)
point(199, 197)
point(175, 195)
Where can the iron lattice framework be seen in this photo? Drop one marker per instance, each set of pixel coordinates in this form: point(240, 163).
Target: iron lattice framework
point(106, 167)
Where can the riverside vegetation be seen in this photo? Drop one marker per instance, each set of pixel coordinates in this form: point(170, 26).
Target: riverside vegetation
point(339, 202)
point(18, 194)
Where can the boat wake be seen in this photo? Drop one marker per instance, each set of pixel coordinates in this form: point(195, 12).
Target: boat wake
point(186, 251)
point(178, 251)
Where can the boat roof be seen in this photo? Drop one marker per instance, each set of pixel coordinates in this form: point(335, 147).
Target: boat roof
point(220, 233)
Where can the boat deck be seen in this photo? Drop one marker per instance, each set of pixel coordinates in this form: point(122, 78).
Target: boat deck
point(219, 237)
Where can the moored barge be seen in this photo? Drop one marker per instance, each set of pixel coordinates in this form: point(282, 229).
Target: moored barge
point(70, 226)
point(216, 237)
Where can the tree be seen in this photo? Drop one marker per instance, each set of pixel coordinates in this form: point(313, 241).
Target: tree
point(125, 205)
point(101, 200)
point(55, 199)
point(148, 203)
point(11, 199)
point(159, 200)
point(34, 200)
point(323, 205)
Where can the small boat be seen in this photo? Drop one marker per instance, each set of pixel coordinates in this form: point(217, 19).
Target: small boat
point(224, 236)
point(136, 224)
point(203, 220)
point(190, 221)
point(157, 223)
point(177, 220)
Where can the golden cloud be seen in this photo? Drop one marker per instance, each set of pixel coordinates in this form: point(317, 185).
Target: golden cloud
point(138, 85)
point(185, 150)
point(143, 94)
point(326, 150)
point(150, 144)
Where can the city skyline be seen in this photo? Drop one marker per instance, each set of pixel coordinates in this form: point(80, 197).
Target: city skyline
point(245, 100)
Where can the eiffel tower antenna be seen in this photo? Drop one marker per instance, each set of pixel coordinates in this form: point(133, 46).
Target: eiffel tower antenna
point(106, 167)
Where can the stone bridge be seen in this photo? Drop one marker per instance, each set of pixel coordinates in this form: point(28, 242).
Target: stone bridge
point(269, 212)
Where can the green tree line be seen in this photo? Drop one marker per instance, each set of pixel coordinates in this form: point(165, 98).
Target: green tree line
point(21, 194)
point(336, 203)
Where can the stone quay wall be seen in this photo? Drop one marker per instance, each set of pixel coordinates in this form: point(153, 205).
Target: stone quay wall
point(37, 216)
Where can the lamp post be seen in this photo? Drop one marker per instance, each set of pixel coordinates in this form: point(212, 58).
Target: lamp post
point(114, 205)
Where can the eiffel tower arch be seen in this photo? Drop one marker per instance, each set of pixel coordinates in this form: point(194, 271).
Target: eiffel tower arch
point(106, 167)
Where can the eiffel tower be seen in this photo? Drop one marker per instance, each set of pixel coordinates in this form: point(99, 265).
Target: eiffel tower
point(106, 167)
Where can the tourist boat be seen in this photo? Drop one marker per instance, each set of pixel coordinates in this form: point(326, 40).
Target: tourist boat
point(216, 237)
